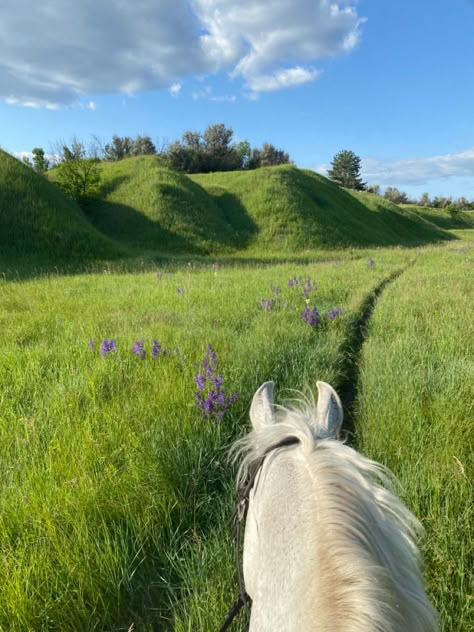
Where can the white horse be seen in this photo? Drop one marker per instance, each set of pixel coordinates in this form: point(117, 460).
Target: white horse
point(328, 546)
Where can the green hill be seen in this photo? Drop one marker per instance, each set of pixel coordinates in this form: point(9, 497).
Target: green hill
point(148, 205)
point(442, 219)
point(293, 209)
point(38, 219)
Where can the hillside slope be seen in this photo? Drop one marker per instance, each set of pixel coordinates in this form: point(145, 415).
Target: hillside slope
point(293, 209)
point(442, 219)
point(38, 219)
point(146, 204)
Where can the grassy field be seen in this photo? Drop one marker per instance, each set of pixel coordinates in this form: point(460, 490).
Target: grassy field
point(114, 485)
point(416, 414)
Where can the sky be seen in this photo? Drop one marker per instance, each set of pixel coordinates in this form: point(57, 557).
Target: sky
point(391, 81)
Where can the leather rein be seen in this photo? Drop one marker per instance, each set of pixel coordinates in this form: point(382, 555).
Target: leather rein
point(237, 518)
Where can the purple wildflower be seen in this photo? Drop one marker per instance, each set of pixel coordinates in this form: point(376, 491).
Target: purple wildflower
point(107, 346)
point(155, 349)
point(266, 304)
point(138, 348)
point(371, 263)
point(210, 397)
point(334, 313)
point(91, 344)
point(200, 381)
point(276, 290)
point(308, 287)
point(311, 316)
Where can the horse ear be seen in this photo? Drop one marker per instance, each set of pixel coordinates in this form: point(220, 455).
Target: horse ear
point(261, 409)
point(328, 411)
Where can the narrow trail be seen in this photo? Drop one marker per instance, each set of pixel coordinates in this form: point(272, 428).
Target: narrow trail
point(351, 352)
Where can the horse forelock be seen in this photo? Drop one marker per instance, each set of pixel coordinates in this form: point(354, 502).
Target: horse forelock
point(368, 561)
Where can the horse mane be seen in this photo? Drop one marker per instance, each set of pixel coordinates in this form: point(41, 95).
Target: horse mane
point(367, 558)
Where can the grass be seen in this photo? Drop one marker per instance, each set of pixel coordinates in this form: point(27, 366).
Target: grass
point(416, 415)
point(37, 220)
point(442, 219)
point(297, 210)
point(114, 488)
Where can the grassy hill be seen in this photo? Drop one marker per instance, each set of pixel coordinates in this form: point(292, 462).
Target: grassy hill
point(293, 209)
point(146, 204)
point(37, 218)
point(442, 219)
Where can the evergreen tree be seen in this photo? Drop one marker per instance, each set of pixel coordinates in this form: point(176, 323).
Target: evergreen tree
point(346, 170)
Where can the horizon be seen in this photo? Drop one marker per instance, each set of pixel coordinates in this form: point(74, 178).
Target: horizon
point(387, 82)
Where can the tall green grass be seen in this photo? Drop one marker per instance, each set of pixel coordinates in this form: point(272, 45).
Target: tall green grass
point(114, 489)
point(38, 221)
point(296, 210)
point(416, 414)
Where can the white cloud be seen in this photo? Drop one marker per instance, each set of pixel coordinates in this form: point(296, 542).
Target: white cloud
point(175, 89)
point(207, 94)
point(56, 52)
point(282, 78)
point(91, 105)
point(412, 171)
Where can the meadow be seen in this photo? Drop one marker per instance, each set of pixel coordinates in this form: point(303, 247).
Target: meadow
point(114, 482)
point(127, 370)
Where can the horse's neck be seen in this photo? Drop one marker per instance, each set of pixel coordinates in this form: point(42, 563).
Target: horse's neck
point(281, 529)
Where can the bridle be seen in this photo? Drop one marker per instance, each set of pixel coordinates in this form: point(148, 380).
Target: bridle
point(237, 518)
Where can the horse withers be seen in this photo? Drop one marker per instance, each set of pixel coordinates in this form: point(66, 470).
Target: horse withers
point(328, 546)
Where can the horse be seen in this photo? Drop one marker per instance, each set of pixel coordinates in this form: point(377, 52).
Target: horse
point(328, 546)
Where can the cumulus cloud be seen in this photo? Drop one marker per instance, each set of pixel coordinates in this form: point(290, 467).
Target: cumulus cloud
point(411, 171)
point(55, 52)
point(175, 89)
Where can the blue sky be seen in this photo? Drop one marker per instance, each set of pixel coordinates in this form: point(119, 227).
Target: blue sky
point(392, 81)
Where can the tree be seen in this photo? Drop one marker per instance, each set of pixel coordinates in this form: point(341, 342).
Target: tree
point(424, 200)
point(143, 146)
point(346, 170)
point(374, 189)
point(79, 178)
point(395, 196)
point(40, 164)
point(119, 148)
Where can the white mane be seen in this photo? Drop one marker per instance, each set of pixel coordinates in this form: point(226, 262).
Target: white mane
point(368, 564)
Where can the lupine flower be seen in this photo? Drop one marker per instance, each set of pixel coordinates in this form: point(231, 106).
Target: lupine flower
point(311, 316)
point(292, 282)
point(308, 287)
point(91, 344)
point(211, 398)
point(107, 346)
point(276, 290)
point(155, 349)
point(371, 263)
point(334, 313)
point(267, 304)
point(138, 348)
point(200, 381)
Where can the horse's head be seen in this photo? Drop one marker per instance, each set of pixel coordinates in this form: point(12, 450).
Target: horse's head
point(327, 545)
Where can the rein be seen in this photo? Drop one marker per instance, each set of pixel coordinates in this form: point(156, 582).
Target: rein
point(238, 517)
